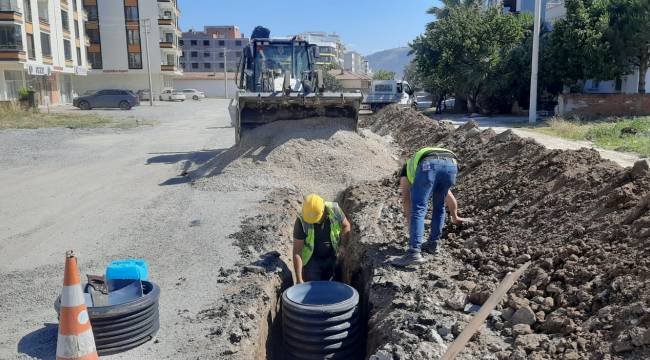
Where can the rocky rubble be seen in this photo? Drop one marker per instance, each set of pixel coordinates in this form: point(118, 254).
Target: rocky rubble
point(582, 221)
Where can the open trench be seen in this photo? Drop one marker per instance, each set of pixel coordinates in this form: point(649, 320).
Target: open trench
point(586, 294)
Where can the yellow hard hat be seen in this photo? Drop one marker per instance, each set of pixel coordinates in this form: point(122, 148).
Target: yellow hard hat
point(313, 208)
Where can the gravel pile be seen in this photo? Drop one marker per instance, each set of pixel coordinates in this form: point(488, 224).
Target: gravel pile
point(584, 223)
point(322, 155)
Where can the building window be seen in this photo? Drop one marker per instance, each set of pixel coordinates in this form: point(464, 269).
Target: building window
point(135, 61)
point(238, 43)
point(78, 56)
point(67, 50)
point(195, 65)
point(131, 13)
point(222, 65)
point(193, 42)
point(46, 47)
point(43, 14)
point(222, 43)
point(221, 54)
point(93, 34)
point(206, 54)
point(181, 42)
point(92, 12)
point(132, 37)
point(27, 5)
point(194, 54)
point(65, 21)
point(74, 7)
point(11, 37)
point(207, 65)
point(31, 50)
point(206, 42)
point(238, 54)
point(95, 60)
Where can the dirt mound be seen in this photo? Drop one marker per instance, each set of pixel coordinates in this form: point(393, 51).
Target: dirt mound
point(583, 221)
point(322, 155)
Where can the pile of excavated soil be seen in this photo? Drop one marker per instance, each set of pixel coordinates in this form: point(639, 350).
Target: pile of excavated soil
point(584, 222)
point(322, 155)
point(288, 159)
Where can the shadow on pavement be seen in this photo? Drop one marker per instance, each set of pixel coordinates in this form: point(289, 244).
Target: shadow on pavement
point(40, 344)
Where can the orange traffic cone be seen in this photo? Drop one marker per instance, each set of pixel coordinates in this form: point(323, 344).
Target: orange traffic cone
point(76, 341)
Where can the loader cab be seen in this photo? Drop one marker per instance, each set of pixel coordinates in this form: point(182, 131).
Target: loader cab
point(266, 60)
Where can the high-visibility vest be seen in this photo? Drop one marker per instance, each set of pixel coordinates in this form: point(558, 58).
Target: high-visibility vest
point(412, 163)
point(335, 216)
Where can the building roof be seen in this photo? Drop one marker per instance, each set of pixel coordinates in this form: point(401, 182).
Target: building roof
point(348, 75)
point(206, 76)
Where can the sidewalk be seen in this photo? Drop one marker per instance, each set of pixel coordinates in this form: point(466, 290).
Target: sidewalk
point(519, 125)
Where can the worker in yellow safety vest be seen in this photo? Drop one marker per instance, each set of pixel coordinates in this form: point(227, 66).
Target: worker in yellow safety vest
point(428, 174)
point(317, 235)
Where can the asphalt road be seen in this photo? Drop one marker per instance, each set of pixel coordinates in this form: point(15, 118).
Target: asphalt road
point(111, 194)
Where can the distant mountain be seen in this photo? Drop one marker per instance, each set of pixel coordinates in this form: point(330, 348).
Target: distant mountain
point(392, 60)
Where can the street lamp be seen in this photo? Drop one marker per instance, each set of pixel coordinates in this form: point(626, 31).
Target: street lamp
point(532, 108)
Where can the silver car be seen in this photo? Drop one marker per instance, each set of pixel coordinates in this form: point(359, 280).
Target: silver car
point(193, 94)
point(422, 101)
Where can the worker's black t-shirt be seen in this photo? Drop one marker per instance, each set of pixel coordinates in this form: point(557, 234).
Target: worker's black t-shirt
point(323, 248)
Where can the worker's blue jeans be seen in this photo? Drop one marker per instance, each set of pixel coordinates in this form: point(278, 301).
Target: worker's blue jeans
point(433, 179)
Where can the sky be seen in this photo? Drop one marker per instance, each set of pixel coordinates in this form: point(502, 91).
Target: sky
point(365, 26)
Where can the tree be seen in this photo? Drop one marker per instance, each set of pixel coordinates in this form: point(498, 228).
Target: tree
point(465, 51)
point(412, 76)
point(443, 11)
point(578, 48)
point(383, 75)
point(629, 36)
point(330, 81)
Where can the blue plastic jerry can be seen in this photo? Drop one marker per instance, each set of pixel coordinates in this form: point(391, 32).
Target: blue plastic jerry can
point(136, 269)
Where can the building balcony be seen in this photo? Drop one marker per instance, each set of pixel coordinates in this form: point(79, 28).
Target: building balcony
point(47, 59)
point(8, 54)
point(167, 45)
point(170, 68)
point(10, 12)
point(167, 22)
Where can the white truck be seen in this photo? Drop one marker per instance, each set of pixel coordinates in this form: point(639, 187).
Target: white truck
point(386, 92)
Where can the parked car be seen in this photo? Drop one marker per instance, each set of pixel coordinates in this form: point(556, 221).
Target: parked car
point(193, 94)
point(172, 95)
point(143, 95)
point(422, 101)
point(109, 98)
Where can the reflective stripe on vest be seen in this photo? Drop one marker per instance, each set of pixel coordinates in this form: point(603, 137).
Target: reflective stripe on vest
point(412, 163)
point(335, 215)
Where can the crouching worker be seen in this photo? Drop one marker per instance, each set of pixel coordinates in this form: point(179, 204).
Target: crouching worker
point(428, 175)
point(317, 234)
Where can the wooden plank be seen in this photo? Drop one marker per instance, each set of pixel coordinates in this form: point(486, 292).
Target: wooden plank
point(478, 319)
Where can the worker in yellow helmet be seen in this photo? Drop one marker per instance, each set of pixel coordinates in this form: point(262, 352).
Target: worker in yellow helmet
point(428, 175)
point(317, 235)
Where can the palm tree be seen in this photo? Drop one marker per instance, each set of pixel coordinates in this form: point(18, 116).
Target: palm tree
point(443, 11)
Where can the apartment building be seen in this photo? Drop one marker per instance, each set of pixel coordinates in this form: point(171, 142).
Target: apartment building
point(215, 49)
point(42, 47)
point(330, 46)
point(118, 32)
point(355, 63)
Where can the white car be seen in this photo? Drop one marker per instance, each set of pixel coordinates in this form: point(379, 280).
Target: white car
point(193, 94)
point(422, 101)
point(172, 95)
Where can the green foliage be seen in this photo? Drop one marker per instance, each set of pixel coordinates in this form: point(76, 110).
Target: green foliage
point(412, 76)
point(23, 93)
point(467, 52)
point(622, 134)
point(383, 75)
point(628, 35)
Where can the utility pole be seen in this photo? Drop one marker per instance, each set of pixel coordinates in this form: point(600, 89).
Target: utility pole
point(147, 24)
point(532, 108)
point(225, 73)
